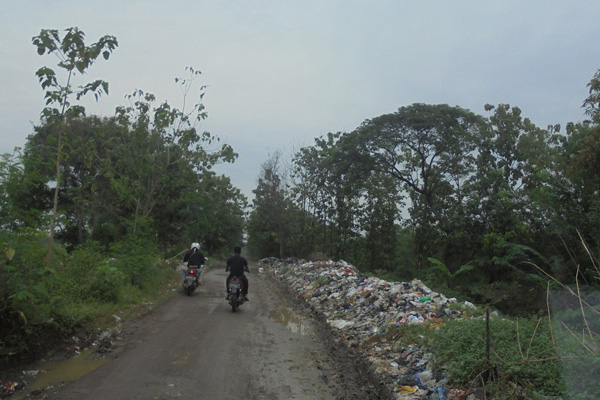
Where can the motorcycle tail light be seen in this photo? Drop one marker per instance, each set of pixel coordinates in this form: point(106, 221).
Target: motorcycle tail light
point(191, 271)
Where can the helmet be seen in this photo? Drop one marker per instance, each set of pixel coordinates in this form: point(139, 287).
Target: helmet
point(195, 245)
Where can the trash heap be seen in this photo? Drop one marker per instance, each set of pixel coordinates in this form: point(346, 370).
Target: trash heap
point(363, 308)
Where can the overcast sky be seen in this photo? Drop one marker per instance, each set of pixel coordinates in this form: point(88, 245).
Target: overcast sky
point(281, 73)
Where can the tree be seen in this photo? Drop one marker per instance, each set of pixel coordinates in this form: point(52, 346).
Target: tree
point(500, 213)
point(83, 197)
point(219, 218)
point(148, 166)
point(269, 225)
point(429, 151)
point(13, 182)
point(330, 186)
point(574, 199)
point(161, 152)
point(75, 58)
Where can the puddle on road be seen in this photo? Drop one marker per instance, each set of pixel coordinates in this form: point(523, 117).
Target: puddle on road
point(290, 320)
point(66, 371)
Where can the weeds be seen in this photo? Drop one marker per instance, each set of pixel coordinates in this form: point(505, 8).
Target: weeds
point(78, 294)
point(524, 358)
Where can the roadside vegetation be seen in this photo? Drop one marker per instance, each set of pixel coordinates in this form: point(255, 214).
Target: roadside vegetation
point(508, 357)
point(91, 207)
point(79, 295)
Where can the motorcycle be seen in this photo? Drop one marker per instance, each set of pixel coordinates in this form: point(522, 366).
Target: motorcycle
point(234, 293)
point(191, 279)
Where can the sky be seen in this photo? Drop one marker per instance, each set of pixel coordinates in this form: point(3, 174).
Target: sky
point(281, 73)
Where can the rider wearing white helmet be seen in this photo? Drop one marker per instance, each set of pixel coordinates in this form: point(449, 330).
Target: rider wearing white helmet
point(194, 256)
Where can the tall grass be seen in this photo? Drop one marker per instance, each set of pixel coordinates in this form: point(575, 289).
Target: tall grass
point(556, 355)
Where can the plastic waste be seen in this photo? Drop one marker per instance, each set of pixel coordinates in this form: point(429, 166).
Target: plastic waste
point(364, 309)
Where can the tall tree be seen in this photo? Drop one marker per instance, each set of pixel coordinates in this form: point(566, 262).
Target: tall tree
point(82, 197)
point(331, 188)
point(75, 58)
point(269, 225)
point(500, 214)
point(429, 150)
point(161, 151)
point(215, 213)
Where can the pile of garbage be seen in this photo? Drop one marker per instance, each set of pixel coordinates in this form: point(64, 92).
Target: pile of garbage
point(362, 309)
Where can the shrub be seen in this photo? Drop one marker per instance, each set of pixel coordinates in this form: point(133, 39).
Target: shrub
point(135, 257)
point(28, 293)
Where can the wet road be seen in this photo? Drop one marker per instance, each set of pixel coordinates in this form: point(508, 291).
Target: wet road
point(197, 348)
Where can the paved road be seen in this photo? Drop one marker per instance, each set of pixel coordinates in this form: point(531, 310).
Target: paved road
point(197, 348)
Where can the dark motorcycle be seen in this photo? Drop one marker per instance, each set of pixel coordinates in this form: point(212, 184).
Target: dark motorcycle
point(191, 279)
point(235, 293)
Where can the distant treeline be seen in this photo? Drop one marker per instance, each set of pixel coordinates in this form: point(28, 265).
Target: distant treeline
point(442, 193)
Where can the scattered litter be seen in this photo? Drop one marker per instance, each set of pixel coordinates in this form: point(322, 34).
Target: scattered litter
point(362, 308)
point(340, 323)
point(10, 388)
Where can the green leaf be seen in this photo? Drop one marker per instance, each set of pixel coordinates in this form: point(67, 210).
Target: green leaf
point(10, 253)
point(440, 266)
point(23, 317)
point(464, 268)
point(23, 294)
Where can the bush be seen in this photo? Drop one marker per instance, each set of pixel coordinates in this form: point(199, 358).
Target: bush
point(135, 257)
point(27, 292)
point(39, 306)
point(106, 284)
point(89, 276)
point(523, 362)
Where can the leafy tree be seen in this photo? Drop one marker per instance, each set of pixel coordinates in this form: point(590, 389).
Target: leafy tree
point(574, 200)
point(331, 188)
point(511, 157)
point(83, 198)
point(592, 102)
point(147, 163)
point(75, 58)
point(216, 213)
point(14, 184)
point(380, 222)
point(269, 225)
point(161, 151)
point(429, 151)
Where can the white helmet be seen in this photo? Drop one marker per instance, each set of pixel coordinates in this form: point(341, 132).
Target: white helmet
point(195, 245)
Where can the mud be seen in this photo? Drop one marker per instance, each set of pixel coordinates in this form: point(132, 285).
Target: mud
point(354, 376)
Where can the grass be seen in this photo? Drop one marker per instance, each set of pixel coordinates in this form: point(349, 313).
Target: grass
point(556, 355)
point(84, 291)
point(522, 358)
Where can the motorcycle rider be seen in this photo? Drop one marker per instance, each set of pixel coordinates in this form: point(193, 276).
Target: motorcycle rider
point(194, 257)
point(237, 265)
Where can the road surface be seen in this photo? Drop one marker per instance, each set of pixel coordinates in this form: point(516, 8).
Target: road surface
point(197, 348)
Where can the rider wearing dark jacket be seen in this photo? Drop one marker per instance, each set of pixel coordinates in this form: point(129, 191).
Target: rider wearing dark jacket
point(194, 256)
point(237, 265)
point(195, 259)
